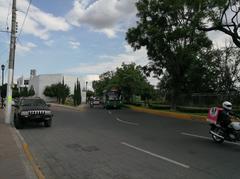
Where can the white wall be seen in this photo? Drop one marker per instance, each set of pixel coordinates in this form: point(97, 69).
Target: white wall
point(20, 82)
point(41, 81)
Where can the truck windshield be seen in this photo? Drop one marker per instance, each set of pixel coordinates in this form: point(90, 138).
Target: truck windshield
point(33, 102)
point(113, 96)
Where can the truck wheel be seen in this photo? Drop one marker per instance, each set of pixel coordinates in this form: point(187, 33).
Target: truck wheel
point(18, 123)
point(48, 123)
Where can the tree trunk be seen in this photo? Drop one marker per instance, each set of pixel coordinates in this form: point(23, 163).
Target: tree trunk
point(174, 98)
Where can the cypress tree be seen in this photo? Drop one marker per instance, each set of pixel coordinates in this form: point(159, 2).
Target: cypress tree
point(74, 95)
point(77, 98)
point(31, 91)
point(80, 96)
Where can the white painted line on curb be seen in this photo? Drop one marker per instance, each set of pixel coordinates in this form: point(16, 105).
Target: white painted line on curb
point(156, 155)
point(127, 122)
point(27, 165)
point(30, 157)
point(208, 138)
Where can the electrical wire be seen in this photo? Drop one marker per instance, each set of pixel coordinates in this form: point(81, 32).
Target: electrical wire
point(9, 6)
point(20, 32)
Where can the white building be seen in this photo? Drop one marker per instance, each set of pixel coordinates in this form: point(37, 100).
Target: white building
point(39, 83)
point(22, 82)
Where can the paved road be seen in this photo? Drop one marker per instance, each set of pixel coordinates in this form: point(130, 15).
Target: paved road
point(122, 144)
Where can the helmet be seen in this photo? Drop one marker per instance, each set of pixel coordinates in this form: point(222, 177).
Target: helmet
point(227, 105)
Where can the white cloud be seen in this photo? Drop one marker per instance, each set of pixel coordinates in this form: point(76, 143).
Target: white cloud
point(107, 16)
point(49, 43)
point(23, 48)
point(74, 44)
point(38, 22)
point(112, 62)
point(219, 38)
point(91, 77)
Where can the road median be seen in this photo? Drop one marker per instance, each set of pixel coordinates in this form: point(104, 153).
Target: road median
point(171, 114)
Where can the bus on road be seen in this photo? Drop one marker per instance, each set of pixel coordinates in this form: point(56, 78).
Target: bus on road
point(112, 99)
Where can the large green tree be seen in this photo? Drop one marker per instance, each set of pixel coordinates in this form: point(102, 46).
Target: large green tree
point(104, 81)
point(4, 91)
point(60, 90)
point(15, 92)
point(129, 78)
point(216, 71)
point(228, 68)
point(218, 15)
point(24, 92)
point(89, 94)
point(166, 29)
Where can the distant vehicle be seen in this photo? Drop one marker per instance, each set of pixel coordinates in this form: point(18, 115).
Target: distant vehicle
point(112, 99)
point(94, 101)
point(32, 109)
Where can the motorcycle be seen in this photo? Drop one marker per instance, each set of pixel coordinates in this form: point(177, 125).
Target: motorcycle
point(219, 134)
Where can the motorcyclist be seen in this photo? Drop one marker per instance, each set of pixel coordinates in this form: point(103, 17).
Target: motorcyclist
point(225, 116)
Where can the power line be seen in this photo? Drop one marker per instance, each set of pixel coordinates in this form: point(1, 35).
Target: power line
point(9, 7)
point(29, 4)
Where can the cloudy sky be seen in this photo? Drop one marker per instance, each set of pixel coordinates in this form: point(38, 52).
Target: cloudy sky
point(79, 37)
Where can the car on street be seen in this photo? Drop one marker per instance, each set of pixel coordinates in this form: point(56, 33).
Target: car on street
point(32, 109)
point(94, 101)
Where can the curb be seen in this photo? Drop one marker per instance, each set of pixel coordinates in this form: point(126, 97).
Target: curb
point(39, 174)
point(168, 114)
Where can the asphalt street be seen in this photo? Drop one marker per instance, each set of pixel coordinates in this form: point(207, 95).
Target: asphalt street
point(123, 144)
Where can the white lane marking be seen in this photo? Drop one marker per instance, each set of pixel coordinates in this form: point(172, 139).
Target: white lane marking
point(127, 122)
point(208, 138)
point(156, 155)
point(109, 112)
point(194, 135)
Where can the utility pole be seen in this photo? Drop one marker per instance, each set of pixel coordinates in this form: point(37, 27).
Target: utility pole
point(2, 67)
point(11, 64)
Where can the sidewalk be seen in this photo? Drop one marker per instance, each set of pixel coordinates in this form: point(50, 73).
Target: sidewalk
point(13, 164)
point(81, 107)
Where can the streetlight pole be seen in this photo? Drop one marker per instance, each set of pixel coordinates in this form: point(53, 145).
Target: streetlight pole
point(11, 64)
point(3, 67)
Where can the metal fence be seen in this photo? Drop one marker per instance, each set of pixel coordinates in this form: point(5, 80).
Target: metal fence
point(208, 99)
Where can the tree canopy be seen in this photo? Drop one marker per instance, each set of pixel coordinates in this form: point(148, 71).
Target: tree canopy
point(129, 79)
point(171, 38)
point(31, 91)
point(60, 90)
point(218, 15)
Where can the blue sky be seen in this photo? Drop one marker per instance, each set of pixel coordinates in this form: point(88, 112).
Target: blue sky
point(84, 38)
point(79, 37)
